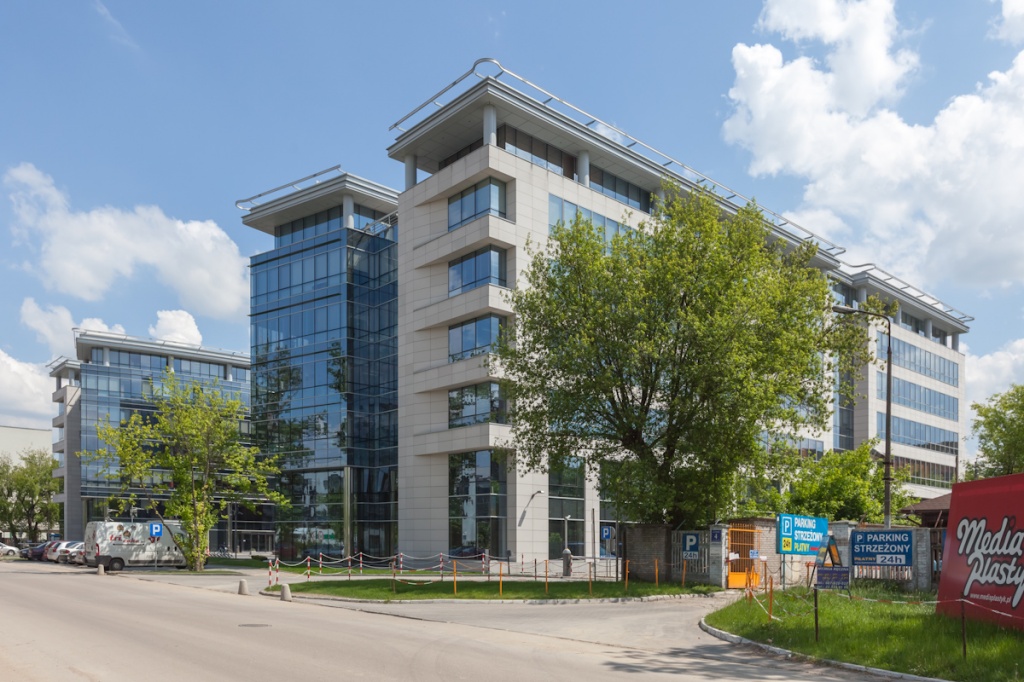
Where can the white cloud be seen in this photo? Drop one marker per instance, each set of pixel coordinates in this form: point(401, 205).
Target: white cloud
point(85, 253)
point(928, 202)
point(54, 325)
point(176, 325)
point(988, 375)
point(25, 391)
point(1010, 26)
point(117, 31)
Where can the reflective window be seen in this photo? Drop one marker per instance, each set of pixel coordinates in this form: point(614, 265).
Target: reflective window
point(565, 212)
point(477, 505)
point(477, 404)
point(615, 187)
point(920, 435)
point(484, 198)
point(921, 361)
point(916, 397)
point(483, 267)
point(566, 486)
point(927, 473)
point(536, 151)
point(473, 337)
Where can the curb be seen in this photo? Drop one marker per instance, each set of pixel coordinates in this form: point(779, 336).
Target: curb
point(785, 653)
point(538, 602)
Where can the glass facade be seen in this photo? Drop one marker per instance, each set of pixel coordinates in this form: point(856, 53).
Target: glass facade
point(536, 151)
point(615, 187)
point(474, 337)
point(562, 211)
point(916, 397)
point(125, 386)
point(921, 361)
point(484, 198)
point(478, 269)
point(566, 509)
point(477, 505)
point(478, 404)
point(927, 473)
point(324, 381)
point(920, 435)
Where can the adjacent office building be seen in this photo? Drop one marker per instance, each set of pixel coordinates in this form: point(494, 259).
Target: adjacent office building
point(110, 378)
point(373, 313)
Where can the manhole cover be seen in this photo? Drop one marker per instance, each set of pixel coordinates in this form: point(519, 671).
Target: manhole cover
point(254, 625)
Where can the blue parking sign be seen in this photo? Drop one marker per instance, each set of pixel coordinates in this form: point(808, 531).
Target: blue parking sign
point(156, 530)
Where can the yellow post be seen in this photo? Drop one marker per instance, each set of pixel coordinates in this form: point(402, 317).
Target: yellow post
point(627, 575)
point(590, 580)
point(501, 583)
point(545, 576)
point(655, 572)
point(682, 583)
point(771, 595)
point(455, 577)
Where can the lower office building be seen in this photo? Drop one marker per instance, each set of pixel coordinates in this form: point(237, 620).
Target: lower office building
point(109, 379)
point(374, 312)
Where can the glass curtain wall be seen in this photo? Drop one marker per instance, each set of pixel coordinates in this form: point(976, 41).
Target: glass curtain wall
point(324, 344)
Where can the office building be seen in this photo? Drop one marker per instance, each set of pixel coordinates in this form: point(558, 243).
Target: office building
point(491, 162)
point(110, 378)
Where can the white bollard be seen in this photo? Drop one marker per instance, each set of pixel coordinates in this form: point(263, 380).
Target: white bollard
point(286, 592)
point(99, 569)
point(243, 588)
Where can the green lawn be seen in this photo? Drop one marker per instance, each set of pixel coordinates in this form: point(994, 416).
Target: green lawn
point(900, 637)
point(384, 589)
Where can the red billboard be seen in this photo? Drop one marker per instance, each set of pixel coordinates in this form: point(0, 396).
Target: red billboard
point(983, 559)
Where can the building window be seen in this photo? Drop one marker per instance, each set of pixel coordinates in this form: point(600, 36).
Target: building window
point(478, 404)
point(566, 485)
point(473, 337)
point(477, 505)
point(615, 187)
point(920, 435)
point(562, 211)
point(916, 397)
point(484, 198)
point(918, 360)
point(911, 323)
point(536, 151)
point(927, 473)
point(486, 266)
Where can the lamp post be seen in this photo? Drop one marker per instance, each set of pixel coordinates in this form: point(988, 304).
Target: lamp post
point(887, 502)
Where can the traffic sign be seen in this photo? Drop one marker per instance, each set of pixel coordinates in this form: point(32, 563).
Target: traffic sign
point(156, 530)
point(691, 546)
point(801, 534)
point(607, 532)
point(882, 547)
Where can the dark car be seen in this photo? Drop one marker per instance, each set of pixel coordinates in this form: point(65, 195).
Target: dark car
point(37, 552)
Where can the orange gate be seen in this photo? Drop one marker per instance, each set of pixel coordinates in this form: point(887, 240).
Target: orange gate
point(744, 542)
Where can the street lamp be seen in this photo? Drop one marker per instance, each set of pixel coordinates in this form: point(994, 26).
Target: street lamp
point(887, 503)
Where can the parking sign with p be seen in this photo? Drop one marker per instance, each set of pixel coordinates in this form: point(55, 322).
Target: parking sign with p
point(691, 546)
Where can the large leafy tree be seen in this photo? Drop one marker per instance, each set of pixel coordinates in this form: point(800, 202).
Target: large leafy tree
point(186, 461)
point(27, 488)
point(661, 356)
point(845, 485)
point(999, 427)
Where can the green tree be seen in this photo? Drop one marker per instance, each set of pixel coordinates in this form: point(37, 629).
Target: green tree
point(667, 351)
point(846, 485)
point(999, 427)
point(26, 494)
point(187, 458)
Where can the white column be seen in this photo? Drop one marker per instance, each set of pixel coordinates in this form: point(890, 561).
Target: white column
point(928, 329)
point(583, 167)
point(410, 171)
point(490, 125)
point(955, 339)
point(348, 211)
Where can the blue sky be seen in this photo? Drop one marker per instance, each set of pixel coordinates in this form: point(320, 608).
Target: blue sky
point(128, 130)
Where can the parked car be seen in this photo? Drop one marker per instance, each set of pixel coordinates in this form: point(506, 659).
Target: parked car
point(37, 551)
point(52, 548)
point(78, 556)
point(65, 550)
point(8, 550)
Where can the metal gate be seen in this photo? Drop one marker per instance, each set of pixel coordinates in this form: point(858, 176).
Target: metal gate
point(744, 548)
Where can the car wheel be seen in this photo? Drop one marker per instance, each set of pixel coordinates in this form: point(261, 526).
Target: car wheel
point(116, 565)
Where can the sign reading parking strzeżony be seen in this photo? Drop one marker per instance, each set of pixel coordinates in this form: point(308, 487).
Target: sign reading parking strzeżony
point(801, 534)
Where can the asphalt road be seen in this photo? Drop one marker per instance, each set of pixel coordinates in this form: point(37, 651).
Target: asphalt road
point(64, 623)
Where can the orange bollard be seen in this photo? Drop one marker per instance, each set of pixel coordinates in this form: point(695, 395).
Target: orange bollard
point(682, 583)
point(501, 582)
point(655, 572)
point(627, 575)
point(771, 595)
point(455, 576)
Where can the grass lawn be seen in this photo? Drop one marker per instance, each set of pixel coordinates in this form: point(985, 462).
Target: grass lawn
point(384, 589)
point(900, 637)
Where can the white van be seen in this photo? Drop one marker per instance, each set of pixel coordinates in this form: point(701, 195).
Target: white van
point(116, 544)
